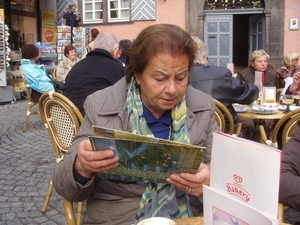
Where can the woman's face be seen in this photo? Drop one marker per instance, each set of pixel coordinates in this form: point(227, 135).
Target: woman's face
point(163, 82)
point(295, 62)
point(72, 55)
point(260, 63)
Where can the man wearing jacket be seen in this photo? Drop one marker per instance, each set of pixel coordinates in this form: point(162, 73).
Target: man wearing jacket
point(97, 71)
point(219, 83)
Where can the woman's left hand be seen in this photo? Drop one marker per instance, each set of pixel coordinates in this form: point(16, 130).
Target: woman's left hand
point(192, 183)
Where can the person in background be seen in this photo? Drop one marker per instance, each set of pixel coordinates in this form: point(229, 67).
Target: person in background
point(295, 86)
point(219, 83)
point(289, 68)
point(71, 19)
point(35, 75)
point(94, 34)
point(98, 70)
point(123, 46)
point(258, 62)
point(154, 99)
point(289, 193)
point(67, 63)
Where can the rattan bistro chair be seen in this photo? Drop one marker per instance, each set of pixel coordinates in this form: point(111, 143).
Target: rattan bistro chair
point(221, 114)
point(287, 124)
point(32, 104)
point(62, 120)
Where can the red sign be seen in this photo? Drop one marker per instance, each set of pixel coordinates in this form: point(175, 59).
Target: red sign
point(49, 36)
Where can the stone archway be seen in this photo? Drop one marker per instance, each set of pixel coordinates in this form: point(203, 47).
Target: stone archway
point(274, 11)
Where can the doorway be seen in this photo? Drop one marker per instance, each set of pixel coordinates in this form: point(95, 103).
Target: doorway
point(245, 33)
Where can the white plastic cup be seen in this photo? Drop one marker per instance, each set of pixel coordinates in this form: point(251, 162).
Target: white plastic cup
point(156, 221)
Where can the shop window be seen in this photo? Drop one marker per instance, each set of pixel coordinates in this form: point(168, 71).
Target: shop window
point(110, 11)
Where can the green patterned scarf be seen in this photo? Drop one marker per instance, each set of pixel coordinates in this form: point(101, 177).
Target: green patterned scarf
point(159, 199)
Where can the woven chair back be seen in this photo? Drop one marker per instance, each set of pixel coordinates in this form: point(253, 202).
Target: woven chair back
point(221, 113)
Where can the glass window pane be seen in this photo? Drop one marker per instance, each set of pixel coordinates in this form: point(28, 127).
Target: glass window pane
point(88, 6)
point(260, 27)
point(124, 13)
point(254, 28)
point(253, 43)
point(125, 3)
point(88, 15)
point(114, 4)
point(260, 41)
point(98, 5)
point(113, 14)
point(98, 15)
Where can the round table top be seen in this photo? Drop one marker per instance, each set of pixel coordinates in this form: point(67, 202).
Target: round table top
point(251, 115)
point(189, 221)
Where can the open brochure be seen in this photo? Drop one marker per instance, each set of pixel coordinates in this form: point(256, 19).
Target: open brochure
point(146, 158)
point(246, 172)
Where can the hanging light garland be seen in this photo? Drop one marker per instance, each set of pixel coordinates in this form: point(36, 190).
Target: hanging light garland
point(233, 4)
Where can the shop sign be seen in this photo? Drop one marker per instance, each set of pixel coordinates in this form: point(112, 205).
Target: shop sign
point(48, 15)
point(49, 34)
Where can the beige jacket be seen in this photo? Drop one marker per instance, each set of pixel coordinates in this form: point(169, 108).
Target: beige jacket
point(116, 202)
point(63, 69)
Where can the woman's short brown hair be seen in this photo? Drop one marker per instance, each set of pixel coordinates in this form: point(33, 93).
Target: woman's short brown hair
point(159, 38)
point(30, 51)
point(94, 33)
point(67, 49)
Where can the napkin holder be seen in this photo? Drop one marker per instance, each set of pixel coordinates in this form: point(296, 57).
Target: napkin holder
point(269, 96)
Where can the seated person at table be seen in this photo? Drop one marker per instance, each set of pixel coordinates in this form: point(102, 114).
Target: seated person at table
point(35, 75)
point(295, 86)
point(289, 68)
point(258, 62)
point(152, 100)
point(289, 193)
point(67, 63)
point(219, 83)
point(99, 69)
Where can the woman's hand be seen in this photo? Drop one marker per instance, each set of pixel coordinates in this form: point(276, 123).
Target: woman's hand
point(192, 183)
point(90, 161)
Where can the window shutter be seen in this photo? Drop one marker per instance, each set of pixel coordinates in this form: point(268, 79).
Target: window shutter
point(143, 10)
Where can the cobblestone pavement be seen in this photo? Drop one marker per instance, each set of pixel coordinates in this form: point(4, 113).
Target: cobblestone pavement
point(26, 166)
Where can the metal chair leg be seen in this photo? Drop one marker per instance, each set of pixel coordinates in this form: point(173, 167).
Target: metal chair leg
point(26, 119)
point(79, 213)
point(70, 217)
point(47, 198)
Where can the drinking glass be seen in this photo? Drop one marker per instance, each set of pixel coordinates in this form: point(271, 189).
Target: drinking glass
point(287, 100)
point(296, 96)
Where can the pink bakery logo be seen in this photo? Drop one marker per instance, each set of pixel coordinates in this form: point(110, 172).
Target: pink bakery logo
point(236, 188)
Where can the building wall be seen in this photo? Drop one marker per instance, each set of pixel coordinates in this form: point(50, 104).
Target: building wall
point(167, 11)
point(291, 37)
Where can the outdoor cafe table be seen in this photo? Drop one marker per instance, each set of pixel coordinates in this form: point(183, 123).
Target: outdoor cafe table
point(189, 221)
point(251, 115)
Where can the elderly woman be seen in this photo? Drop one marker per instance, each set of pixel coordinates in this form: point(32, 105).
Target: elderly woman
point(35, 74)
point(68, 62)
point(258, 62)
point(289, 68)
point(152, 98)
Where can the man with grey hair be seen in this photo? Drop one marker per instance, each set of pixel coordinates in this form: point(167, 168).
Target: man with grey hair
point(218, 81)
point(98, 70)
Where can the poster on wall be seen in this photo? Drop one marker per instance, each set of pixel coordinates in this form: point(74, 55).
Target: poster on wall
point(49, 32)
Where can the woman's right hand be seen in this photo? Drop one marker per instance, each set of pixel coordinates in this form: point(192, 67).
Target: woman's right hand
point(91, 161)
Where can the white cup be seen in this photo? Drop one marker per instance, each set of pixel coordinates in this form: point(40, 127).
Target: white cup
point(156, 221)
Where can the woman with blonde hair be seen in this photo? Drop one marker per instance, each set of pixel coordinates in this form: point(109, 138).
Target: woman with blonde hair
point(290, 67)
